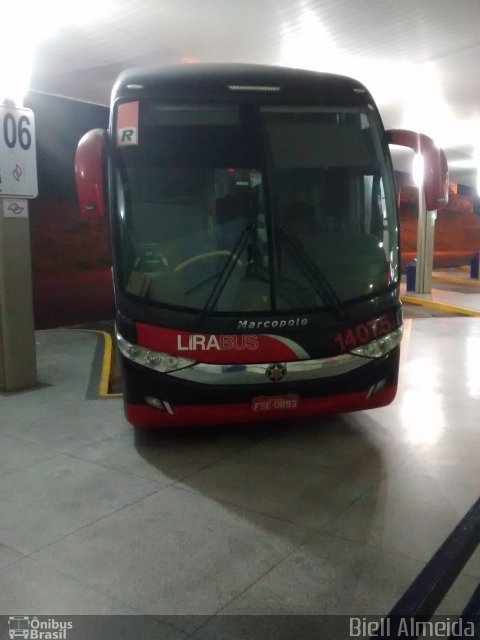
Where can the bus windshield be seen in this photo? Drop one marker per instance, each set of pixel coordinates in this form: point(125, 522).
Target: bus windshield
point(247, 208)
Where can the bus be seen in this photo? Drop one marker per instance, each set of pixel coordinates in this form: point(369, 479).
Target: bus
point(255, 241)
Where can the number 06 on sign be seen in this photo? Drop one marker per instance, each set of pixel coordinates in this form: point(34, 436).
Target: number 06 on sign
point(18, 159)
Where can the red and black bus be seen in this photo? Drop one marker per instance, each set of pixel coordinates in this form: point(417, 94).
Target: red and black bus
point(255, 244)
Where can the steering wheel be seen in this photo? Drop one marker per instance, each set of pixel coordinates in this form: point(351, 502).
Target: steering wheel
point(209, 254)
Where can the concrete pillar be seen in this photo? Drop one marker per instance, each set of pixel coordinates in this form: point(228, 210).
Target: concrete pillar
point(425, 246)
point(17, 330)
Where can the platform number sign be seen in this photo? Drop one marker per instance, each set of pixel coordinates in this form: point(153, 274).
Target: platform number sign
point(18, 159)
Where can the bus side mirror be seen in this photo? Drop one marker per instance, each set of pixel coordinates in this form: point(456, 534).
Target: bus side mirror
point(89, 174)
point(435, 175)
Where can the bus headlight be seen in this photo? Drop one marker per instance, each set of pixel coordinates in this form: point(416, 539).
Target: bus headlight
point(380, 346)
point(163, 362)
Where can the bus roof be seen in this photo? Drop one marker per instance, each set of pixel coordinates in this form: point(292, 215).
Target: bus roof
point(241, 82)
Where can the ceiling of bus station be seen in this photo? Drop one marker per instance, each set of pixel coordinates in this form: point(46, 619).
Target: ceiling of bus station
point(419, 58)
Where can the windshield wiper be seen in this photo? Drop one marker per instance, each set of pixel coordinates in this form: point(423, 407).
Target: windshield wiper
point(314, 274)
point(225, 273)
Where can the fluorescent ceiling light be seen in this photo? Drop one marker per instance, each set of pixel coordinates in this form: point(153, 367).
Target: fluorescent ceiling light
point(416, 87)
point(37, 21)
point(418, 169)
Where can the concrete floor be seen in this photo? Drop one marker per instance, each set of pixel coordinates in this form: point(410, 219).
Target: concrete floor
point(334, 515)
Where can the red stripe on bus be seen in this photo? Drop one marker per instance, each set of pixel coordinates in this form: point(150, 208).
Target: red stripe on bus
point(145, 416)
point(215, 348)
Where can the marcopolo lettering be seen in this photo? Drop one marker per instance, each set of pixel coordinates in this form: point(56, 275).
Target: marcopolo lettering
point(272, 324)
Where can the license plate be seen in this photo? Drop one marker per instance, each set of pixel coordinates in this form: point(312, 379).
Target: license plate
point(275, 403)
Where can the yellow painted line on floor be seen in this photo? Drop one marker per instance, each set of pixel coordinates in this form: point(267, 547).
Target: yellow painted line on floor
point(106, 365)
point(107, 368)
point(468, 282)
point(440, 306)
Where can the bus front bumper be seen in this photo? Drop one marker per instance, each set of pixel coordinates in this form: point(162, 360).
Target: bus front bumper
point(145, 416)
point(160, 400)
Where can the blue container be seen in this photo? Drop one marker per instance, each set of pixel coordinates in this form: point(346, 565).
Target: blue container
point(474, 266)
point(411, 274)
